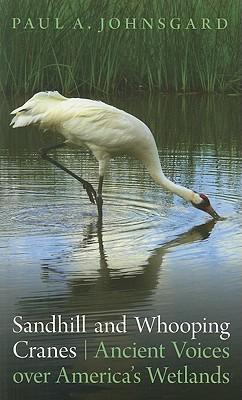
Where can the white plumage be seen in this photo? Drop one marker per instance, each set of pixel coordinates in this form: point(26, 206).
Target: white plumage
point(104, 129)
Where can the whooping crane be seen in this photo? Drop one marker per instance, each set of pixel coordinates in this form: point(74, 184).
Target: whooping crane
point(106, 131)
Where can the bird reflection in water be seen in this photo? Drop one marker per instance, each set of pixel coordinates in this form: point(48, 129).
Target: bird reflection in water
point(143, 278)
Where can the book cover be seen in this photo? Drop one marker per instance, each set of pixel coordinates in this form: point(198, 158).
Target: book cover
point(120, 249)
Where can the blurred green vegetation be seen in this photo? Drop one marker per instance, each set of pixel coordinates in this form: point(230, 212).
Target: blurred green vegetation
point(85, 61)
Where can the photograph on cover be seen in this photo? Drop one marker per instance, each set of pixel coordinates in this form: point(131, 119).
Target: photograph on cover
point(121, 204)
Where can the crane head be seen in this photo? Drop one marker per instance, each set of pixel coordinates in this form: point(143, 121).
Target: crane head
point(202, 203)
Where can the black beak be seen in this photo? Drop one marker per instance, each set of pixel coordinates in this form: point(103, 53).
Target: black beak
point(213, 213)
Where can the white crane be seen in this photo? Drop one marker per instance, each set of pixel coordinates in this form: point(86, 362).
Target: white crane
point(106, 131)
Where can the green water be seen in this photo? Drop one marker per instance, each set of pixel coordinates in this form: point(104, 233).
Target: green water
point(154, 255)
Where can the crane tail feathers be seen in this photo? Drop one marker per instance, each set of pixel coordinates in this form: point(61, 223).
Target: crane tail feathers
point(19, 109)
point(22, 119)
point(32, 111)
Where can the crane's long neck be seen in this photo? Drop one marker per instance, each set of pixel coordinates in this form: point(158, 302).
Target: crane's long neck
point(155, 170)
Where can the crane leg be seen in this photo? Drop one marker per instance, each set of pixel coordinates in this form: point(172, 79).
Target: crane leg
point(99, 197)
point(86, 185)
